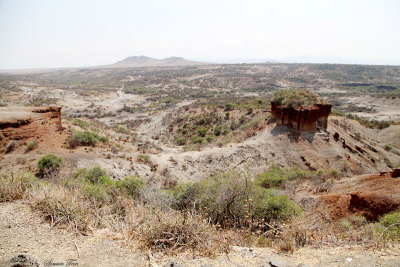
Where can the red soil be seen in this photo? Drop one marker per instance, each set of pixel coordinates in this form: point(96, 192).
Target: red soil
point(367, 195)
point(23, 124)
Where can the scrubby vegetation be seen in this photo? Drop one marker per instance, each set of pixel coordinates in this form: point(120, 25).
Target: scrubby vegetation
point(98, 184)
point(31, 145)
point(14, 188)
point(209, 123)
point(297, 98)
point(276, 176)
point(49, 164)
point(85, 138)
point(392, 223)
point(233, 200)
point(197, 217)
point(373, 124)
point(81, 123)
point(216, 107)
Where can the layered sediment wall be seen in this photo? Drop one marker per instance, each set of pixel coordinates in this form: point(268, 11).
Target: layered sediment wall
point(301, 118)
point(23, 123)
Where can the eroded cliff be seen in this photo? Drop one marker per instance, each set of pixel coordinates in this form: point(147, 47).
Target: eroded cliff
point(301, 118)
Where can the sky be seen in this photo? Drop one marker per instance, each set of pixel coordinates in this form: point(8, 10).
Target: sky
point(78, 33)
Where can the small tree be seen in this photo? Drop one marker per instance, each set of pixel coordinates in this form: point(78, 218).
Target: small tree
point(49, 164)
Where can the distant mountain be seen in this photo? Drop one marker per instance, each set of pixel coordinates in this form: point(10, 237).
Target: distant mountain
point(144, 61)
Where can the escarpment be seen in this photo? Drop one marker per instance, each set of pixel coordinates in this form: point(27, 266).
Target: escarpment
point(24, 123)
point(301, 118)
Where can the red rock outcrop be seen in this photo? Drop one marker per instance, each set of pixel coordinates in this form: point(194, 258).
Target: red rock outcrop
point(301, 118)
point(371, 195)
point(23, 123)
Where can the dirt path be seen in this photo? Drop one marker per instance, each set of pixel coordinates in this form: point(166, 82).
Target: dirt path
point(22, 231)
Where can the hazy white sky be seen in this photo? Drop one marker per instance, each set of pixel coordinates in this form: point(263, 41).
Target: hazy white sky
point(65, 33)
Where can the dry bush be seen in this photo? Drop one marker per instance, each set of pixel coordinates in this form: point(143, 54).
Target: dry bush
point(286, 243)
point(172, 231)
point(31, 145)
point(290, 236)
point(75, 207)
point(63, 208)
point(14, 187)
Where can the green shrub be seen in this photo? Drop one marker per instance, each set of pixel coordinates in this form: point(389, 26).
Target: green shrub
point(48, 164)
point(276, 176)
point(209, 138)
point(229, 106)
point(297, 173)
point(273, 177)
point(251, 124)
point(185, 195)
point(80, 172)
point(358, 220)
point(392, 222)
point(227, 115)
point(231, 199)
point(103, 193)
point(86, 138)
point(181, 141)
point(98, 184)
point(270, 204)
point(97, 175)
point(131, 185)
point(242, 119)
point(202, 132)
point(388, 147)
point(197, 140)
point(218, 130)
point(334, 173)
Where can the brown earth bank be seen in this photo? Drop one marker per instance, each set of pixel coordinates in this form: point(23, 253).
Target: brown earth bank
point(24, 124)
point(370, 196)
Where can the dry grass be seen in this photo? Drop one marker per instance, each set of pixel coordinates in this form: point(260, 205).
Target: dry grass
point(14, 187)
point(155, 226)
point(151, 223)
point(172, 232)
